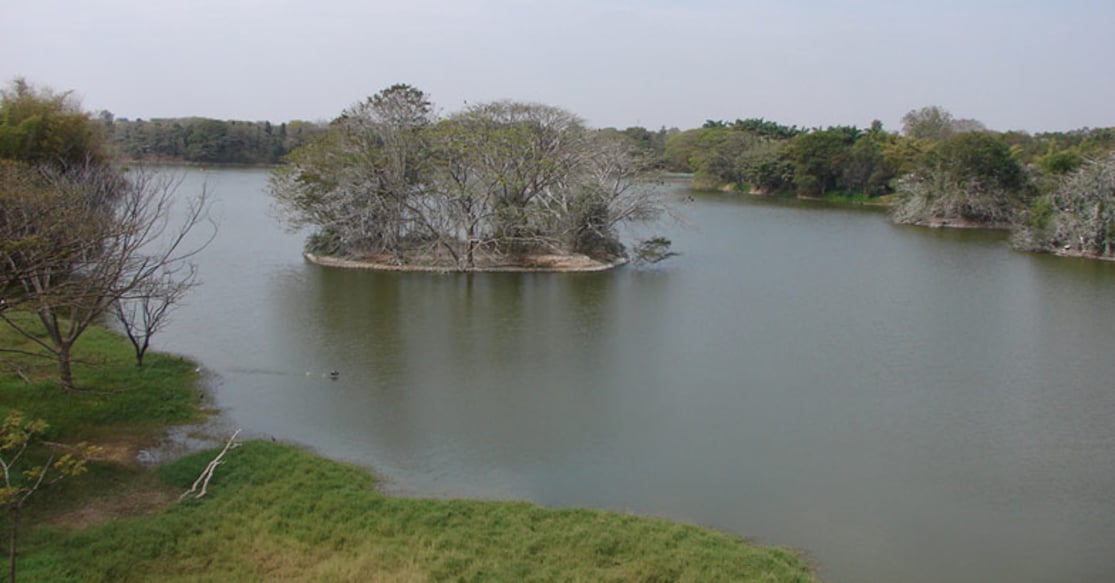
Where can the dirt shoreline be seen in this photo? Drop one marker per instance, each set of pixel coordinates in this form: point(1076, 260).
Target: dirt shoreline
point(1080, 254)
point(529, 264)
point(959, 223)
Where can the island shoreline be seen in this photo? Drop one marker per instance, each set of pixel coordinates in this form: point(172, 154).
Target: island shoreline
point(529, 264)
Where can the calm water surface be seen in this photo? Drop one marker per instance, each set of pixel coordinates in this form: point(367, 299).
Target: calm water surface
point(901, 404)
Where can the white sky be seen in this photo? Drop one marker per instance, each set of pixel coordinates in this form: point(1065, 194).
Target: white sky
point(1012, 64)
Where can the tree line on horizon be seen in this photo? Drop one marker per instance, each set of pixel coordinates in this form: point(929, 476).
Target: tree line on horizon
point(201, 140)
point(936, 170)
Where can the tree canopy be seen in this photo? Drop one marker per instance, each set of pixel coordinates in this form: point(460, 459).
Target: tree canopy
point(39, 126)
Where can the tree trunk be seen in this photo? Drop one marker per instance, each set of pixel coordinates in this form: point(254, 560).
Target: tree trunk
point(141, 350)
point(471, 262)
point(13, 513)
point(65, 368)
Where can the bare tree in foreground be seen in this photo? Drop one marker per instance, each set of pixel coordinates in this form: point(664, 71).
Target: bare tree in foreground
point(145, 311)
point(85, 241)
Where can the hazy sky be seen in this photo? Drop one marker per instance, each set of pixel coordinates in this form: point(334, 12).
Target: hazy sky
point(1017, 64)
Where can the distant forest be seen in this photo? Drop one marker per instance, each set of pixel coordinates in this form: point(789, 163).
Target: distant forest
point(207, 141)
point(751, 154)
point(210, 141)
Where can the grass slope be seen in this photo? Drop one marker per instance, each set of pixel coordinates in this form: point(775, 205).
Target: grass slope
point(116, 398)
point(275, 512)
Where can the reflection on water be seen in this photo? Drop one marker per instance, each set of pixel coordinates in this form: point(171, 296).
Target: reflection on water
point(903, 404)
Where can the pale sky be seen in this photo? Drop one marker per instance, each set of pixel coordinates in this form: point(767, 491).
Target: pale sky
point(1018, 64)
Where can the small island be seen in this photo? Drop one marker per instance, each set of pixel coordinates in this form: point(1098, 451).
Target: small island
point(501, 186)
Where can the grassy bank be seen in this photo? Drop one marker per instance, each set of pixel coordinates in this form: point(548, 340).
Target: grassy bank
point(275, 512)
point(117, 400)
point(278, 513)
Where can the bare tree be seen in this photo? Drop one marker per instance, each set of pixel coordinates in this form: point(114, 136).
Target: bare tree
point(145, 310)
point(935, 123)
point(87, 239)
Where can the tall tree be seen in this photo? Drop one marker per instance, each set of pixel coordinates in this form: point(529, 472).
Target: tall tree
point(935, 123)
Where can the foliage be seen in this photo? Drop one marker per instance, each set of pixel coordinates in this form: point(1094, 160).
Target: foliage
point(970, 178)
point(208, 141)
point(819, 158)
point(768, 157)
point(650, 144)
point(980, 156)
point(756, 126)
point(766, 168)
point(934, 123)
point(766, 128)
point(17, 435)
point(679, 150)
point(1060, 162)
point(40, 127)
point(277, 513)
point(1078, 217)
point(715, 155)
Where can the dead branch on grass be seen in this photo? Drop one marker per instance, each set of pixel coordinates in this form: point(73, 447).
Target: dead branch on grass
point(207, 473)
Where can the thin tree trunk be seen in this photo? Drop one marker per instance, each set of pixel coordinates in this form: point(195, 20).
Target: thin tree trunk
point(13, 512)
point(65, 368)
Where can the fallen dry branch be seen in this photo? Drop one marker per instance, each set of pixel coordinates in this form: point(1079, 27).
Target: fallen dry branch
point(207, 473)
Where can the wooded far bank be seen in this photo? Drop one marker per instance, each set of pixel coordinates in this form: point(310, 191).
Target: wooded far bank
point(1052, 188)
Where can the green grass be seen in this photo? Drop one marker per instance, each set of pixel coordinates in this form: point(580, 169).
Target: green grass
point(275, 512)
point(115, 397)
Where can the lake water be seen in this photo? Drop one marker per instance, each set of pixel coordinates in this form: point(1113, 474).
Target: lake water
point(901, 404)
